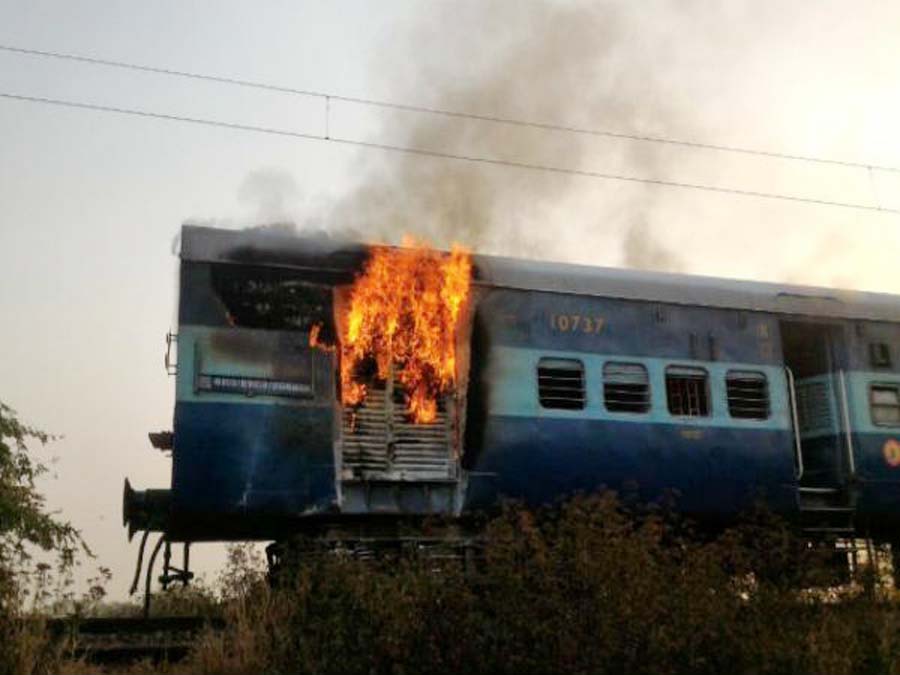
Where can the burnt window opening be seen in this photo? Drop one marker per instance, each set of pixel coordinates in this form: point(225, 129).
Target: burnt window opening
point(273, 298)
point(748, 394)
point(366, 371)
point(626, 387)
point(884, 400)
point(880, 355)
point(687, 391)
point(400, 397)
point(561, 384)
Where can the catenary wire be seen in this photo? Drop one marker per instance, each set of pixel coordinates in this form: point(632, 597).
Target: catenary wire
point(446, 155)
point(447, 113)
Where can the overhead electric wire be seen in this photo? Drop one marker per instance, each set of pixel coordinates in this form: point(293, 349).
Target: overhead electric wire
point(496, 119)
point(444, 155)
point(161, 116)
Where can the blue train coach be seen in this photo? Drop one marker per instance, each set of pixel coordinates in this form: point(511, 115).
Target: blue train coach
point(573, 378)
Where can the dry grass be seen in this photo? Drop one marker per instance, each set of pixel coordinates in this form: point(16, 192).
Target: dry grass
point(583, 589)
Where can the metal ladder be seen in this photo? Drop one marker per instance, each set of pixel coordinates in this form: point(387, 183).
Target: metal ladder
point(826, 510)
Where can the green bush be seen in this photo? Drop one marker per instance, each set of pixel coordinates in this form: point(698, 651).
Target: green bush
point(28, 585)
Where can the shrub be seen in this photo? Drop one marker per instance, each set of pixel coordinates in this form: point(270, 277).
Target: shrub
point(27, 585)
point(586, 588)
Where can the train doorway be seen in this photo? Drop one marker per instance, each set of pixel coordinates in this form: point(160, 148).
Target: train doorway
point(815, 355)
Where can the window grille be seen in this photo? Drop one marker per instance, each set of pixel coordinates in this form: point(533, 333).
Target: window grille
point(885, 402)
point(748, 394)
point(687, 390)
point(626, 387)
point(814, 407)
point(561, 384)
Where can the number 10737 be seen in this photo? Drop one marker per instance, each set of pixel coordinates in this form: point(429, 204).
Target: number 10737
point(576, 323)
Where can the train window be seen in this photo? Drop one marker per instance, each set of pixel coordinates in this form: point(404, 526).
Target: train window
point(561, 383)
point(885, 403)
point(748, 394)
point(272, 298)
point(626, 387)
point(879, 355)
point(687, 390)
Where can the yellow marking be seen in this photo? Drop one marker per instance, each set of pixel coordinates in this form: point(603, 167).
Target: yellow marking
point(577, 323)
point(891, 452)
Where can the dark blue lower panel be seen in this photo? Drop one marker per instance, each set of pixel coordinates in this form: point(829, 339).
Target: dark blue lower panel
point(716, 473)
point(251, 460)
point(873, 484)
point(878, 483)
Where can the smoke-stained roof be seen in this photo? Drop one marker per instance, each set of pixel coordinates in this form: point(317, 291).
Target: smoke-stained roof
point(341, 259)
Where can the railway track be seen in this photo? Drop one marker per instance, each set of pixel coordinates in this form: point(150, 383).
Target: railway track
point(118, 640)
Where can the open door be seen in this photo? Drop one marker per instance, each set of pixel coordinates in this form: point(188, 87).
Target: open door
point(815, 355)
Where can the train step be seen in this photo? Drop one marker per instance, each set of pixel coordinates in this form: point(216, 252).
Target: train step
point(835, 531)
point(832, 497)
point(827, 519)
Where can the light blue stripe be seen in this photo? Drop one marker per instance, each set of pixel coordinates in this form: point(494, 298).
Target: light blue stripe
point(858, 383)
point(512, 376)
point(859, 408)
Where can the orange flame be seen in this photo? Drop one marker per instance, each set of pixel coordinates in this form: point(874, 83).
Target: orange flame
point(316, 342)
point(404, 310)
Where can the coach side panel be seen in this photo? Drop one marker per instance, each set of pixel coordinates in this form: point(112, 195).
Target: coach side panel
point(872, 383)
point(712, 456)
point(254, 412)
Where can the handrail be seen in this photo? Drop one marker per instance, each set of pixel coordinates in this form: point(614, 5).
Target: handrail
point(796, 422)
point(845, 416)
point(171, 367)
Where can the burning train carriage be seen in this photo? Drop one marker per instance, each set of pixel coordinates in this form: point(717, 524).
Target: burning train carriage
point(565, 379)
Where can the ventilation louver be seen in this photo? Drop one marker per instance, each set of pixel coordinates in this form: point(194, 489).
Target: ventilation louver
point(561, 384)
point(626, 387)
point(748, 395)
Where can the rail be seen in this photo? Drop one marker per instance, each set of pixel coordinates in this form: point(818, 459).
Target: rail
point(121, 640)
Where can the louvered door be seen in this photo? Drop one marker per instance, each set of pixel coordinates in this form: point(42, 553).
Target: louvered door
point(380, 442)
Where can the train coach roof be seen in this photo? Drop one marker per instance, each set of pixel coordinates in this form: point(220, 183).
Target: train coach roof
point(284, 248)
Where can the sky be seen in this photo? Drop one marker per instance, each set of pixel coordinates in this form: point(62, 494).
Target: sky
point(91, 203)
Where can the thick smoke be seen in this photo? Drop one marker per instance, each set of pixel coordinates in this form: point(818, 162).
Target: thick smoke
point(641, 250)
point(272, 195)
point(573, 64)
point(665, 68)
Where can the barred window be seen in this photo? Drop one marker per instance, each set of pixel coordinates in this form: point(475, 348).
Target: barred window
point(885, 402)
point(561, 383)
point(748, 394)
point(626, 387)
point(687, 390)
